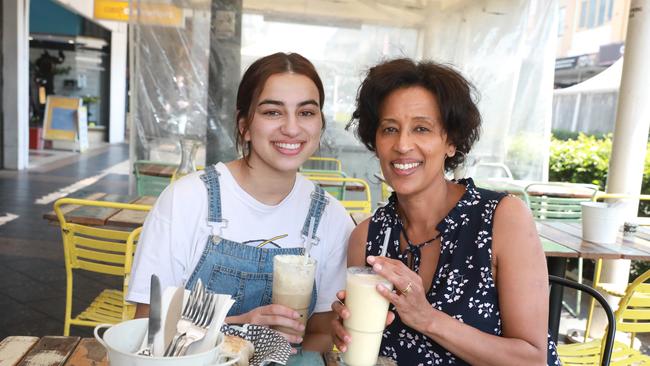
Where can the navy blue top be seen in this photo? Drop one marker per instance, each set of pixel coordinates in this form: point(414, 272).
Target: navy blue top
point(462, 287)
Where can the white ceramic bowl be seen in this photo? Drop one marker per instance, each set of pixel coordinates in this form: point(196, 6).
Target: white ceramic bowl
point(123, 340)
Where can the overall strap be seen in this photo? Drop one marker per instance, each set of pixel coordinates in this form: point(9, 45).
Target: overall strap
point(211, 181)
point(316, 208)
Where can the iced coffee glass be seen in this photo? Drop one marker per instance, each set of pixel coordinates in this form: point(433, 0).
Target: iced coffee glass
point(367, 320)
point(293, 283)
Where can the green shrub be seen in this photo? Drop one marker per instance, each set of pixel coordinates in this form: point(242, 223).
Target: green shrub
point(586, 160)
point(583, 160)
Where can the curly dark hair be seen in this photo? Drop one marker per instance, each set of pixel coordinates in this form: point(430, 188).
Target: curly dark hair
point(455, 95)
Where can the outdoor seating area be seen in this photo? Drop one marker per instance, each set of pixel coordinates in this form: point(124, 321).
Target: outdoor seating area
point(556, 207)
point(324, 183)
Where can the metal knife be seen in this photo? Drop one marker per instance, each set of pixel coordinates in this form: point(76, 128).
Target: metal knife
point(154, 312)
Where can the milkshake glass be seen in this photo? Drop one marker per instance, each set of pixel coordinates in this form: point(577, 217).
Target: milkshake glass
point(293, 283)
point(367, 320)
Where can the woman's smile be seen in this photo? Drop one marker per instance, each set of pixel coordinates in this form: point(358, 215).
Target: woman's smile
point(288, 148)
point(405, 166)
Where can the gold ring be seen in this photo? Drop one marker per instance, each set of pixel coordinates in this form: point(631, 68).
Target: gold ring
point(407, 289)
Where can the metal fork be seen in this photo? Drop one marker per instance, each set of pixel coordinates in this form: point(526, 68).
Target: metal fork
point(186, 314)
point(195, 319)
point(200, 324)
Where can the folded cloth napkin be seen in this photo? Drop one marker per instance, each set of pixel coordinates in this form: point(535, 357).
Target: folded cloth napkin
point(270, 346)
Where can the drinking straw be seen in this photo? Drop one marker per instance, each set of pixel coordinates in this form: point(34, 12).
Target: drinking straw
point(384, 247)
point(312, 223)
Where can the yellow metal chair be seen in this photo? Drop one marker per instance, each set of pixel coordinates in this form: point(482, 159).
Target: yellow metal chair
point(337, 191)
point(98, 250)
point(606, 287)
point(360, 205)
point(318, 166)
point(632, 316)
point(602, 353)
point(386, 190)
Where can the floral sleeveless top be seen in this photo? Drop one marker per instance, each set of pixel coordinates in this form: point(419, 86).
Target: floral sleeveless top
point(462, 287)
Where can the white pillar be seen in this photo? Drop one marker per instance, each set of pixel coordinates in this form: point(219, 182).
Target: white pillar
point(632, 124)
point(15, 86)
point(117, 114)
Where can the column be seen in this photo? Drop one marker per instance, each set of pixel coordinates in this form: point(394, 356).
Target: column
point(632, 125)
point(117, 101)
point(223, 79)
point(15, 84)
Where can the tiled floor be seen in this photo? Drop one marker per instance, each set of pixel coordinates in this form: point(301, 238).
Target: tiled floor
point(32, 273)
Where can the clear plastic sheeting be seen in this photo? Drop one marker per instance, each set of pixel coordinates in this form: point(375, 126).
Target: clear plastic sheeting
point(507, 49)
point(169, 77)
point(185, 76)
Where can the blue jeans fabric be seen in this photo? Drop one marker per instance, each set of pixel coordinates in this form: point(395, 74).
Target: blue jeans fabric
point(241, 270)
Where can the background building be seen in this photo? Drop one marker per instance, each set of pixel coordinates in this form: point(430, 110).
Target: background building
point(588, 65)
point(591, 36)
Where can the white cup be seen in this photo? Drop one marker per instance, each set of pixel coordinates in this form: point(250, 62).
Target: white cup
point(367, 320)
point(600, 222)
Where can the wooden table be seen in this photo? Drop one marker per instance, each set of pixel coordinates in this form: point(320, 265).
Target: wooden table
point(158, 170)
point(75, 351)
point(98, 216)
point(563, 240)
point(52, 351)
point(551, 189)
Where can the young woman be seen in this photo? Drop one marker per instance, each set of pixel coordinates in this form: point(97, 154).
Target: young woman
point(466, 263)
point(224, 225)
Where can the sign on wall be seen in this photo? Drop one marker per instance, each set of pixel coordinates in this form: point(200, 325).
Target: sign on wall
point(150, 13)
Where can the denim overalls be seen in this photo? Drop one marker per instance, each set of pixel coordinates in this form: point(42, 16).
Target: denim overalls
point(241, 270)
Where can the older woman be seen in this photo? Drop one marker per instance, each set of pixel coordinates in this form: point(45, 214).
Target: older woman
point(466, 262)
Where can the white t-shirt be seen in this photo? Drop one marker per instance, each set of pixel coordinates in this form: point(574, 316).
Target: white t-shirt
point(176, 232)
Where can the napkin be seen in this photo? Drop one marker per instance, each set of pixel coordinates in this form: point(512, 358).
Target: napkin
point(270, 346)
point(173, 299)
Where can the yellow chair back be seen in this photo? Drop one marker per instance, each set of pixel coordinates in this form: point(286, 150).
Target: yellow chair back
point(632, 316)
point(99, 250)
point(633, 313)
point(351, 205)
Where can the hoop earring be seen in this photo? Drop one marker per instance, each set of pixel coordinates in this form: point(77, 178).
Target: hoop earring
point(455, 152)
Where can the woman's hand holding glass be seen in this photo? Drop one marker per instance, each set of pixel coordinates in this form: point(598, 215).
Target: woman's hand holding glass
point(340, 336)
point(273, 315)
point(409, 296)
